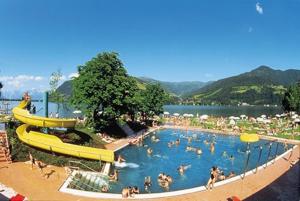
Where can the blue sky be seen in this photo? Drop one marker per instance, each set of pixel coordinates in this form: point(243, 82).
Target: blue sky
point(166, 40)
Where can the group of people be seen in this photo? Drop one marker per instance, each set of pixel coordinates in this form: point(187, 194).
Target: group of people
point(130, 191)
point(171, 143)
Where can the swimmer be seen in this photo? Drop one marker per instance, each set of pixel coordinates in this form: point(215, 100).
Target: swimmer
point(104, 189)
point(177, 142)
point(199, 151)
point(212, 147)
point(120, 159)
point(182, 168)
point(189, 139)
point(134, 190)
point(147, 183)
point(224, 154)
point(161, 177)
point(126, 192)
point(169, 144)
point(231, 158)
point(169, 179)
point(222, 176)
point(114, 176)
point(164, 184)
point(206, 142)
point(188, 148)
point(149, 151)
point(231, 174)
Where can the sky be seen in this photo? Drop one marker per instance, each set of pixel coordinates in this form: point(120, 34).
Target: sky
point(170, 40)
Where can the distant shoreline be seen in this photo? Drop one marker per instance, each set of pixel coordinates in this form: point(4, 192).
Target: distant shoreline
point(7, 99)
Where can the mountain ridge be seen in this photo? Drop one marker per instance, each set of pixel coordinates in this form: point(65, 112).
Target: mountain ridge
point(263, 85)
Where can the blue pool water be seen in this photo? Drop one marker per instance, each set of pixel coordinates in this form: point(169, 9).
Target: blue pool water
point(164, 159)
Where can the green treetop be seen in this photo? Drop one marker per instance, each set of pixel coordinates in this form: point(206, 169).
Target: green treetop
point(291, 99)
point(103, 89)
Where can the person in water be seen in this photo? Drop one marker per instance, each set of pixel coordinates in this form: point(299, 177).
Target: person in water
point(199, 151)
point(147, 183)
point(120, 159)
point(222, 176)
point(231, 174)
point(134, 190)
point(177, 142)
point(213, 177)
point(149, 151)
point(212, 147)
point(181, 169)
point(126, 192)
point(114, 176)
point(104, 189)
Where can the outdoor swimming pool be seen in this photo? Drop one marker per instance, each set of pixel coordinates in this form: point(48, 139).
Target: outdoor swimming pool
point(167, 159)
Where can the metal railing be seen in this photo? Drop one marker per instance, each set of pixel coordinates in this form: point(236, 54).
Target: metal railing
point(261, 147)
point(79, 181)
point(79, 163)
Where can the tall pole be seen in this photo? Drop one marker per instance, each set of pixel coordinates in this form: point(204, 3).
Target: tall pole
point(45, 100)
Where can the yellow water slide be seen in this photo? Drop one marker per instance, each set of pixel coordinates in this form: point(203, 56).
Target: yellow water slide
point(51, 142)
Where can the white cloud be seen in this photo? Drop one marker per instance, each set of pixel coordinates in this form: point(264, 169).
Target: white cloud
point(259, 8)
point(21, 82)
point(73, 75)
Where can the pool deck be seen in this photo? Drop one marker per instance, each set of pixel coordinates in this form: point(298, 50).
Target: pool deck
point(121, 143)
point(33, 185)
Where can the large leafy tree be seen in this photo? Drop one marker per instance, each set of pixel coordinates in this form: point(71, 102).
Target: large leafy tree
point(291, 99)
point(103, 89)
point(152, 100)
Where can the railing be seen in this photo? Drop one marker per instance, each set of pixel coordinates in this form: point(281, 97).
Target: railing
point(261, 147)
point(78, 162)
point(78, 180)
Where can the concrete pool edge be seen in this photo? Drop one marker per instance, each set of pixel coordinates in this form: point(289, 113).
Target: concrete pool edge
point(64, 188)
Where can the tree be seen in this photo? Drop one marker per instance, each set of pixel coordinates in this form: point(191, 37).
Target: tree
point(54, 94)
point(103, 90)
point(291, 99)
point(153, 99)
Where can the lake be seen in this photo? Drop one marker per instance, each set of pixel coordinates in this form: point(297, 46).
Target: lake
point(255, 111)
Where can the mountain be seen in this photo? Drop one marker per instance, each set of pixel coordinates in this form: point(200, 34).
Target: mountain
point(176, 88)
point(65, 88)
point(262, 85)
